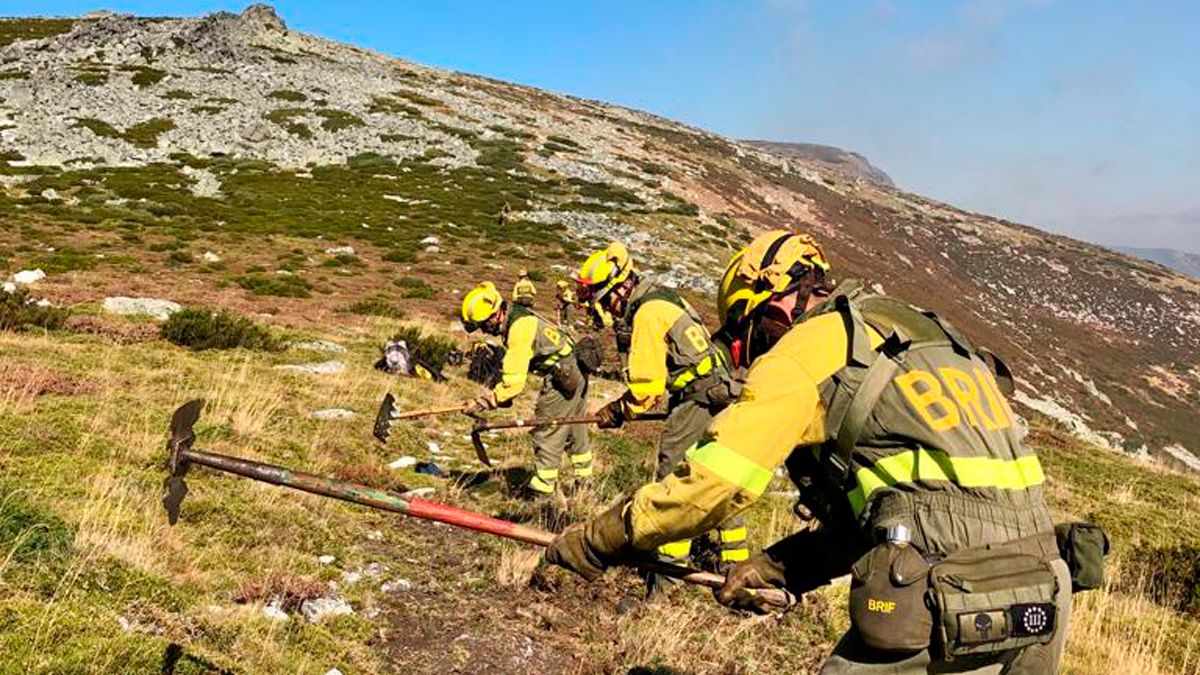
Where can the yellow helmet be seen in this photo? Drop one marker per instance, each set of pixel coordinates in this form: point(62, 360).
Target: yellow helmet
point(523, 272)
point(604, 270)
point(773, 263)
point(480, 304)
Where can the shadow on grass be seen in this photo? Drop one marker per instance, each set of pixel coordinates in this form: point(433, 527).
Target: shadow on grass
point(174, 655)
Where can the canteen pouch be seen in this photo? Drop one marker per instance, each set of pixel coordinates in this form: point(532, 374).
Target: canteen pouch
point(1083, 547)
point(988, 601)
point(887, 598)
point(566, 378)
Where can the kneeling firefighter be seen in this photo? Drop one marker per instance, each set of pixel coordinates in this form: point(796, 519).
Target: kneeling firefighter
point(537, 344)
point(672, 356)
point(894, 429)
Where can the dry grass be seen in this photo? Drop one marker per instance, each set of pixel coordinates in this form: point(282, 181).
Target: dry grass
point(1114, 632)
point(516, 565)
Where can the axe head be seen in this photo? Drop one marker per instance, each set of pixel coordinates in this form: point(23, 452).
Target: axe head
point(383, 419)
point(182, 438)
point(477, 441)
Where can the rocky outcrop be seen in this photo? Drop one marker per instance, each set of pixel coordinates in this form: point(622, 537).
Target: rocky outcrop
point(1109, 341)
point(842, 161)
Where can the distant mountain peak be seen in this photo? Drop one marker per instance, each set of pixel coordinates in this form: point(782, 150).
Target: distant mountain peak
point(845, 162)
point(1180, 261)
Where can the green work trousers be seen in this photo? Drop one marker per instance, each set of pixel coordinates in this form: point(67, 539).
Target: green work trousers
point(550, 442)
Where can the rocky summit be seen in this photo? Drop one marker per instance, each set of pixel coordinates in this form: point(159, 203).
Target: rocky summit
point(237, 124)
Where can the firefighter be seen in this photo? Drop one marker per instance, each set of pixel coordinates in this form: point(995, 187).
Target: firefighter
point(524, 292)
point(566, 300)
point(906, 453)
point(534, 344)
point(670, 356)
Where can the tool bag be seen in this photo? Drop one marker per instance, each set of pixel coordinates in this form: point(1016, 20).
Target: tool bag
point(567, 378)
point(1083, 547)
point(988, 600)
point(589, 353)
point(888, 607)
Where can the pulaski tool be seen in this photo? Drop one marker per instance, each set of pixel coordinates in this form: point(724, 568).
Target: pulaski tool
point(181, 456)
point(482, 426)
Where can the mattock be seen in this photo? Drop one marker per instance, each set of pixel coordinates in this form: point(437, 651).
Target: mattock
point(180, 457)
point(482, 426)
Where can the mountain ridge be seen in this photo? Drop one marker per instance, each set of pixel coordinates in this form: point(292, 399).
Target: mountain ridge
point(221, 113)
point(1183, 262)
point(850, 163)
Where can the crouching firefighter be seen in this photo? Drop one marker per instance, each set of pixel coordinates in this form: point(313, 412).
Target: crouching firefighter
point(895, 430)
point(671, 356)
point(534, 344)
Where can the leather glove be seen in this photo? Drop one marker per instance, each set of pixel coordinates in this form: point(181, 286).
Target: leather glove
point(759, 571)
point(480, 404)
point(612, 416)
point(590, 548)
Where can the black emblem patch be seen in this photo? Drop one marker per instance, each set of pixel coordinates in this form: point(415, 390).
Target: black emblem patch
point(1032, 620)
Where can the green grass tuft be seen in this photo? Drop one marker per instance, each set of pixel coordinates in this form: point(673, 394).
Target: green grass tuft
point(415, 288)
point(202, 329)
point(286, 286)
point(19, 311)
point(376, 305)
point(12, 30)
point(288, 95)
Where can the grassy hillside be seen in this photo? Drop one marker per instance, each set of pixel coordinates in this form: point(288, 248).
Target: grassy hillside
point(95, 581)
point(439, 182)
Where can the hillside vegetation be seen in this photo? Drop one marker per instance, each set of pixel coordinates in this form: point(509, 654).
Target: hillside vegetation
point(316, 195)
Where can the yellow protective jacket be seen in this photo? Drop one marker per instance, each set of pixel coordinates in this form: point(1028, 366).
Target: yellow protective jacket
point(532, 343)
point(669, 349)
point(964, 468)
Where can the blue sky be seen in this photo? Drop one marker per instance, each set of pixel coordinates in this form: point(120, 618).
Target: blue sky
point(1081, 117)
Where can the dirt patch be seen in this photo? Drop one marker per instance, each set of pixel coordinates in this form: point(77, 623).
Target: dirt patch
point(18, 379)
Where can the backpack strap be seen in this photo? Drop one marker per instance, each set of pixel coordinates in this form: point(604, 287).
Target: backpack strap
point(1000, 369)
point(875, 381)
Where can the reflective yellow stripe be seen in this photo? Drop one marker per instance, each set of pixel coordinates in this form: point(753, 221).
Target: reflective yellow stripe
point(644, 390)
point(676, 550)
point(928, 466)
point(583, 471)
point(547, 474)
point(735, 554)
point(538, 485)
point(582, 458)
point(732, 467)
point(700, 369)
point(730, 536)
point(554, 358)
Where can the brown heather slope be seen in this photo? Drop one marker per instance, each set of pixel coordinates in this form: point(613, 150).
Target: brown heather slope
point(250, 128)
point(133, 147)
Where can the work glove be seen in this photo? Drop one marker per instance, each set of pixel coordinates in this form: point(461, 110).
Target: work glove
point(612, 416)
point(759, 571)
point(591, 547)
point(480, 404)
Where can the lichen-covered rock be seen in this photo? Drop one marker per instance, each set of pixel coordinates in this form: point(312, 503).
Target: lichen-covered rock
point(155, 307)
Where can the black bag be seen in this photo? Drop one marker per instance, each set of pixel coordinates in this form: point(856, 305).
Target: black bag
point(887, 598)
point(589, 353)
point(486, 365)
point(1083, 547)
point(567, 379)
